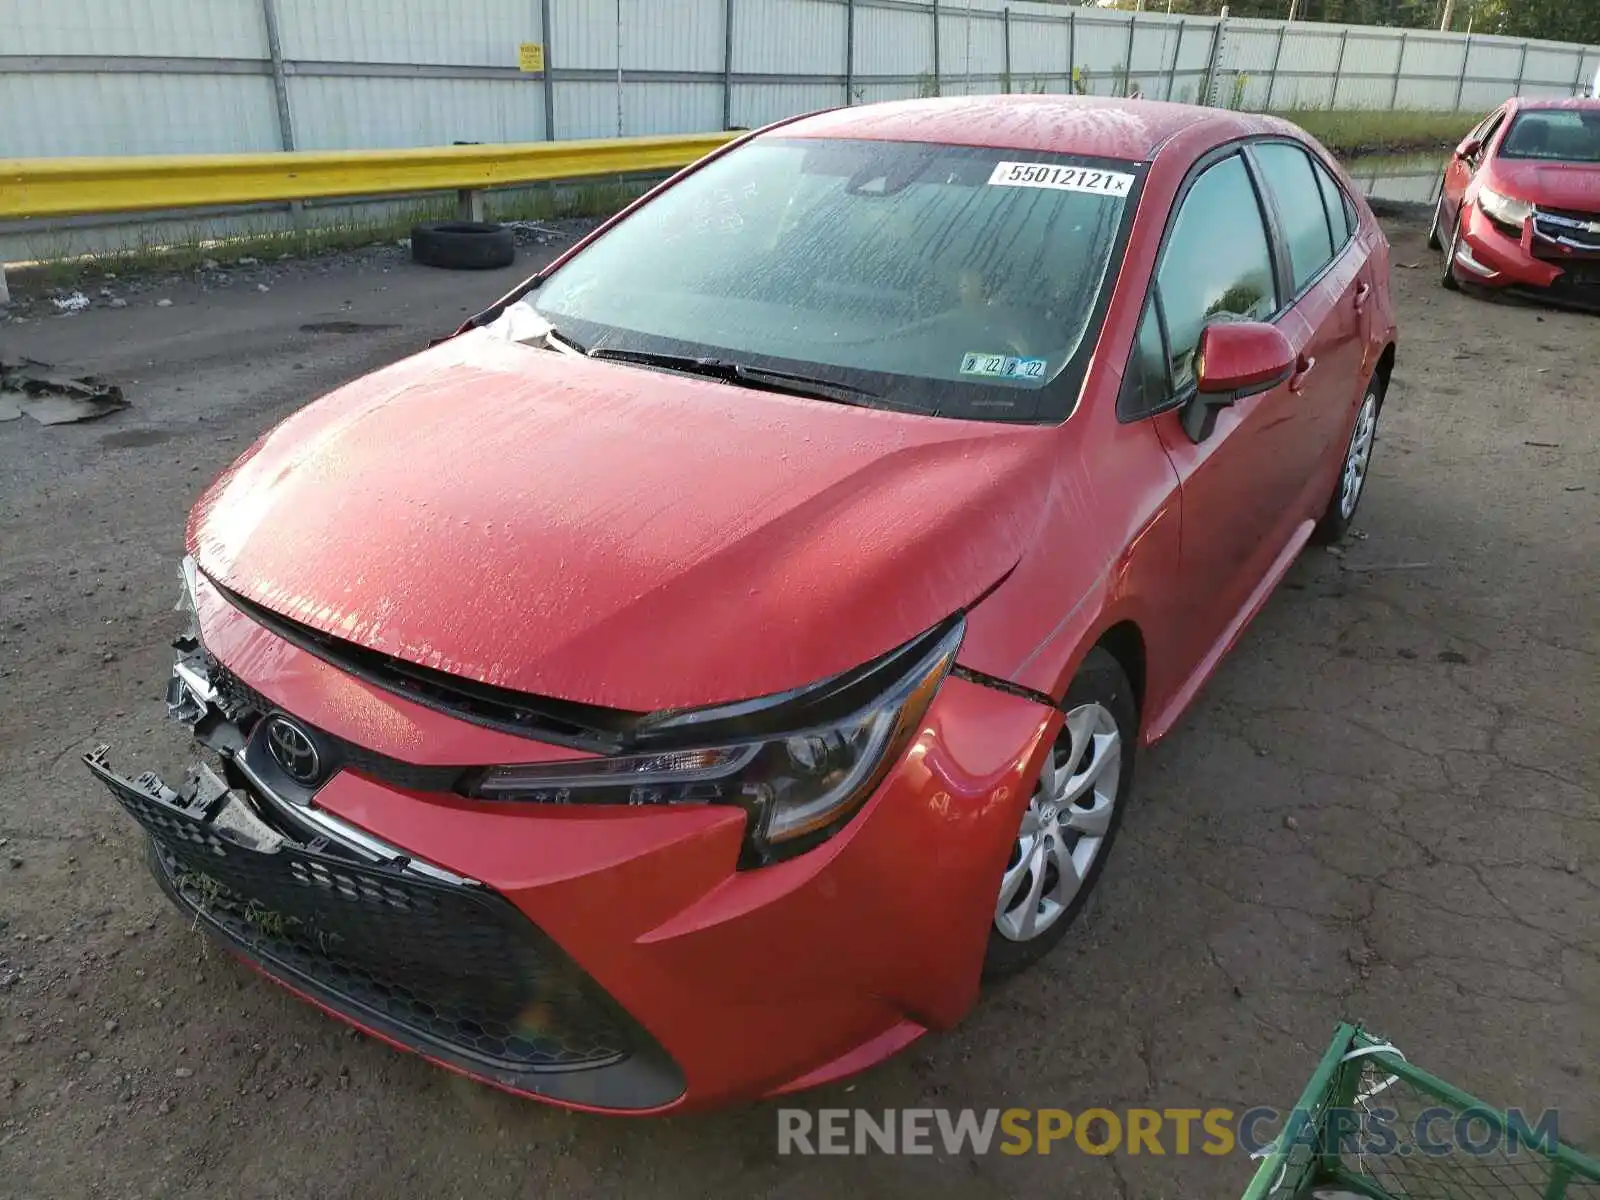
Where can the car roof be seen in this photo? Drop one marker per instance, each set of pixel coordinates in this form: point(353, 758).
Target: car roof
point(1094, 126)
point(1526, 102)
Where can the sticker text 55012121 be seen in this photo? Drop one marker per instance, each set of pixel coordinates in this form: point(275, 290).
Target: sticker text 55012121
point(1062, 179)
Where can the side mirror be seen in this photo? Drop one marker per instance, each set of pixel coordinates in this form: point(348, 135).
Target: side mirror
point(1234, 359)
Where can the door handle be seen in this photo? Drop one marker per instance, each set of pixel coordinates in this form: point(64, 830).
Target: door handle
point(1363, 290)
point(1303, 366)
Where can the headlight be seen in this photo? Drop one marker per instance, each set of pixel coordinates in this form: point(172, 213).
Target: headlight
point(799, 780)
point(187, 572)
point(1504, 209)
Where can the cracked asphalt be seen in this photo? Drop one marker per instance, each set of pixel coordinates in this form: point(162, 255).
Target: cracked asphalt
point(1384, 807)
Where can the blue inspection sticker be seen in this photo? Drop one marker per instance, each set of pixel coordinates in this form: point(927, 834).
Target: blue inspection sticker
point(1002, 366)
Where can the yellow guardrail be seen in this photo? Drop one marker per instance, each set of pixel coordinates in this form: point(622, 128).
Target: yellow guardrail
point(60, 187)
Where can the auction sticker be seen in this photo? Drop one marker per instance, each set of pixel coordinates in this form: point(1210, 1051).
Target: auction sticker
point(1002, 366)
point(1062, 179)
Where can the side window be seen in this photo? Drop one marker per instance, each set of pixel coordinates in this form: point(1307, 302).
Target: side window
point(1485, 134)
point(1300, 209)
point(1217, 264)
point(1337, 205)
point(1147, 384)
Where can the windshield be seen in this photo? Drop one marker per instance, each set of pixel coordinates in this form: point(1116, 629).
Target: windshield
point(1557, 134)
point(942, 279)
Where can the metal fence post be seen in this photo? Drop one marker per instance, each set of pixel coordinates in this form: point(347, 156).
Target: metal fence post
point(1461, 84)
point(727, 64)
point(1072, 51)
point(549, 82)
point(966, 51)
point(1277, 57)
point(1177, 51)
point(1338, 67)
point(1209, 95)
point(1399, 68)
point(938, 76)
point(1127, 64)
point(1005, 26)
point(280, 85)
point(849, 51)
point(1577, 78)
point(1522, 65)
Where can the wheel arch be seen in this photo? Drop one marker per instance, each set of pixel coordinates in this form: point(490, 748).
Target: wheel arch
point(1124, 641)
point(1385, 371)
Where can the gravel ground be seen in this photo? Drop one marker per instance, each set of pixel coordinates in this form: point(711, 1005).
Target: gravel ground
point(1384, 807)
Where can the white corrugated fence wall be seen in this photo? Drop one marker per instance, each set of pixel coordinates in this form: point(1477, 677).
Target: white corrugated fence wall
point(179, 76)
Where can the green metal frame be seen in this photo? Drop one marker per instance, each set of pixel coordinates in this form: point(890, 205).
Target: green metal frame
point(1292, 1166)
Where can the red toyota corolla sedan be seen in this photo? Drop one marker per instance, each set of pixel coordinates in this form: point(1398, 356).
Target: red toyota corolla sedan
point(1519, 209)
point(688, 681)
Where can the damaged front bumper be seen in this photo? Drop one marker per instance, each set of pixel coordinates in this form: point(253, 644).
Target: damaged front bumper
point(423, 957)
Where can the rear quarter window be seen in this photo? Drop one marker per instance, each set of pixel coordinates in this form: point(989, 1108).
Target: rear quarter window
point(1340, 214)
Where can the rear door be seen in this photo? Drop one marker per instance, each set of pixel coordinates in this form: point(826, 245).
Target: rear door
point(1327, 280)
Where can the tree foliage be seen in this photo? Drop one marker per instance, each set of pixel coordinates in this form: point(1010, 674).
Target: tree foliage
point(1558, 20)
point(1415, 14)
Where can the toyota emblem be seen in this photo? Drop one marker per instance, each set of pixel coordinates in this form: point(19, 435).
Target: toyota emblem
point(292, 749)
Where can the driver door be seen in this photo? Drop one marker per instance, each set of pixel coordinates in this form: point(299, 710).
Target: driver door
point(1463, 165)
point(1239, 482)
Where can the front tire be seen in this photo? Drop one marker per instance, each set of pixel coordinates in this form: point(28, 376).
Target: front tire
point(1435, 238)
point(1352, 482)
point(1071, 819)
point(1447, 275)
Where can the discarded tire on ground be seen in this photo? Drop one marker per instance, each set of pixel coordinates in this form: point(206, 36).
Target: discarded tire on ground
point(463, 245)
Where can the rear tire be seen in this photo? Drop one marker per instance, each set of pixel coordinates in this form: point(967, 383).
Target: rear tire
point(1072, 822)
point(1354, 468)
point(463, 245)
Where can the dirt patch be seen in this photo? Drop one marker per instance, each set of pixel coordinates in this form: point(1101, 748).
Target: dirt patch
point(1384, 806)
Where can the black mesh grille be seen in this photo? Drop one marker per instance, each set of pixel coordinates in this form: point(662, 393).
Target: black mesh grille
point(454, 970)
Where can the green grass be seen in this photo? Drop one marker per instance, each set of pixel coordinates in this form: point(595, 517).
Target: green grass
point(184, 248)
point(1371, 131)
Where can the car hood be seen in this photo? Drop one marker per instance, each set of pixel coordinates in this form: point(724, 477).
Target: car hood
point(1574, 186)
point(612, 535)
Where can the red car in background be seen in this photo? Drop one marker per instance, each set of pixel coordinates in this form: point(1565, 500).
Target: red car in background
point(1519, 209)
point(689, 680)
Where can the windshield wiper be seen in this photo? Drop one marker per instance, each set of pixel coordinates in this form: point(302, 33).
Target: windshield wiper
point(765, 378)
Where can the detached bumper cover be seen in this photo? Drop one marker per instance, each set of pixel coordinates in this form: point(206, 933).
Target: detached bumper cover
point(1498, 260)
point(717, 984)
point(451, 970)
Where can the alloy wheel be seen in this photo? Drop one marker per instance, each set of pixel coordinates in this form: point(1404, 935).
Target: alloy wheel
point(1359, 456)
point(1064, 825)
